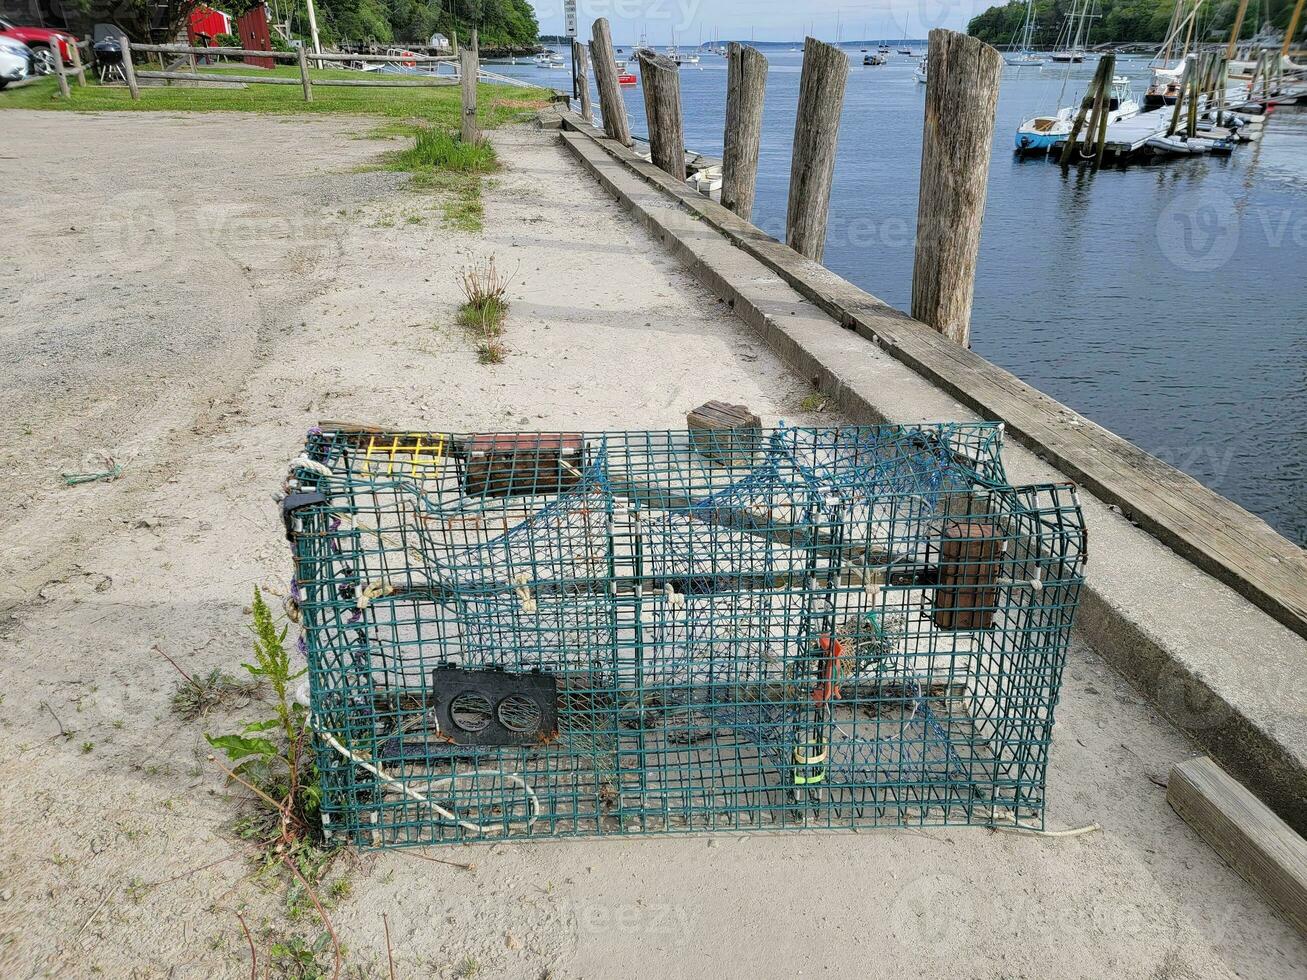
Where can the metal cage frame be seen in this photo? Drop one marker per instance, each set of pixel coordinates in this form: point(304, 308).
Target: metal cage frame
point(518, 635)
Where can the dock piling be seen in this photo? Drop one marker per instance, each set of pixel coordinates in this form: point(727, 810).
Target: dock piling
point(746, 82)
point(1094, 99)
point(816, 127)
point(1104, 109)
point(661, 81)
point(579, 59)
point(610, 90)
point(962, 77)
point(468, 68)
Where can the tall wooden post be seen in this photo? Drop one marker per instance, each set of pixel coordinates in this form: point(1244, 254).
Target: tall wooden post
point(580, 60)
point(610, 90)
point(962, 75)
point(57, 62)
point(816, 127)
point(1186, 76)
point(129, 70)
point(1090, 101)
point(468, 68)
point(1105, 109)
point(746, 82)
point(304, 74)
point(661, 81)
point(1222, 83)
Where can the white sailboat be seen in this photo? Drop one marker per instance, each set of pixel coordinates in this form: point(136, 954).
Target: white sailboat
point(1023, 55)
point(919, 73)
point(1075, 33)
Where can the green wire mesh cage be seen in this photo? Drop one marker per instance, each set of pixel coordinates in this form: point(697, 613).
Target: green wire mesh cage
point(545, 634)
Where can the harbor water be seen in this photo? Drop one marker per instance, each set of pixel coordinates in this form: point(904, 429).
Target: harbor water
point(1167, 301)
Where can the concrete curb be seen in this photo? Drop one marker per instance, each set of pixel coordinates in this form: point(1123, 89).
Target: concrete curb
point(1216, 666)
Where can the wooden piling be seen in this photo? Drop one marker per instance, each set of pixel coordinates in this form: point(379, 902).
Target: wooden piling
point(1186, 77)
point(305, 82)
point(816, 127)
point(57, 63)
point(1091, 101)
point(962, 76)
point(129, 70)
point(468, 67)
point(580, 59)
point(661, 81)
point(1108, 74)
point(746, 83)
point(610, 91)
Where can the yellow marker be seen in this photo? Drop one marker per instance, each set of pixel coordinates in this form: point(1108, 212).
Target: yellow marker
point(818, 772)
point(367, 457)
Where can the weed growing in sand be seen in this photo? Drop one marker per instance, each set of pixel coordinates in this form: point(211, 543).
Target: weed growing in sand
point(195, 696)
point(485, 289)
point(269, 758)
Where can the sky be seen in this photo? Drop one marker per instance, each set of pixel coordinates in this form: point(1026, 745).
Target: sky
point(763, 20)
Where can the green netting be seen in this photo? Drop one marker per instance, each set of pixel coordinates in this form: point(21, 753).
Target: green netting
point(545, 634)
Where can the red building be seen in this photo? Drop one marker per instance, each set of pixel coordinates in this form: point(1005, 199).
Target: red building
point(205, 24)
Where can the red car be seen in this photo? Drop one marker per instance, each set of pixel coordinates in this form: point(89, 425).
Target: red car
point(42, 41)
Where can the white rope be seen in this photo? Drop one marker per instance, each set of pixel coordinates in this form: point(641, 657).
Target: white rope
point(301, 695)
point(994, 816)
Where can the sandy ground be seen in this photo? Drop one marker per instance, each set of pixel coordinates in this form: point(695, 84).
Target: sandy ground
point(188, 295)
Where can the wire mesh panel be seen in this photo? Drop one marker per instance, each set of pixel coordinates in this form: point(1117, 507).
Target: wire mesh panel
point(543, 634)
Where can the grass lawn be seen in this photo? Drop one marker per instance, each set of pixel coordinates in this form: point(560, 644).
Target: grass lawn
point(438, 105)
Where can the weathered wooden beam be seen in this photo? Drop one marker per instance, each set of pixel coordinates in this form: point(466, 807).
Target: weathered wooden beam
point(746, 82)
point(580, 60)
point(304, 73)
point(1101, 137)
point(163, 49)
point(661, 81)
point(962, 76)
point(1265, 850)
point(468, 67)
point(1236, 28)
point(816, 128)
point(185, 76)
point(129, 70)
point(610, 90)
point(78, 68)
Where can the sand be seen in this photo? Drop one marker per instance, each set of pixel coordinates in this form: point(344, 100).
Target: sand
point(187, 295)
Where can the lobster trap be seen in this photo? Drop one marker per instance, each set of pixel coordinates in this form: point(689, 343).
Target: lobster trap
point(547, 634)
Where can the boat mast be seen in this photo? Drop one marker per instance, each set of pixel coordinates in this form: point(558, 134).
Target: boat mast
point(1291, 30)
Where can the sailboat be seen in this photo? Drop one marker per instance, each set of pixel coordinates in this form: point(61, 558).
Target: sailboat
point(1076, 33)
point(1023, 55)
point(905, 49)
point(1038, 135)
point(1168, 64)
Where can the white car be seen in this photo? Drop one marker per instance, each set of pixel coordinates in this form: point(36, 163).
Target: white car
point(15, 61)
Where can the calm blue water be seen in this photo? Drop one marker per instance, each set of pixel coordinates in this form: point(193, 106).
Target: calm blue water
point(1167, 302)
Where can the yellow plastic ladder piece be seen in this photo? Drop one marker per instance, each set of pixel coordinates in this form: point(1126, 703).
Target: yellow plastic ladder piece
point(417, 451)
point(394, 447)
point(367, 457)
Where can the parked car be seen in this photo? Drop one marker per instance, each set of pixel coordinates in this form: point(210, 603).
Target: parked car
point(43, 41)
point(16, 62)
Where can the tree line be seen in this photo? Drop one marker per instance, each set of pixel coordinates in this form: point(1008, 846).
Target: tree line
point(1118, 20)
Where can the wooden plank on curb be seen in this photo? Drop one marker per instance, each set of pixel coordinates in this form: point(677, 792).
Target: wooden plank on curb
point(1245, 833)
